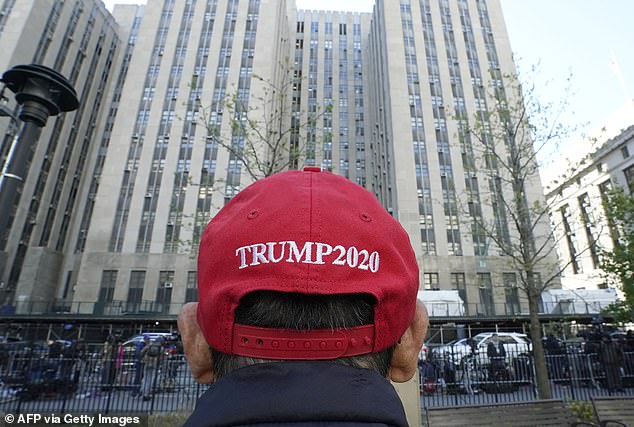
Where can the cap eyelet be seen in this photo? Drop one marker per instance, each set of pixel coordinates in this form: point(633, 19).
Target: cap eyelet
point(365, 217)
point(253, 214)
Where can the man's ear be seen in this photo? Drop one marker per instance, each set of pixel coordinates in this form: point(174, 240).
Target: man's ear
point(196, 348)
point(405, 357)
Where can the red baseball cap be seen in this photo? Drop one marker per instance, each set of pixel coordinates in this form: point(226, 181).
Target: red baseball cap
point(308, 232)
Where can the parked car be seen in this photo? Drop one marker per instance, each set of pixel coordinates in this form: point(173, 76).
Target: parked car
point(515, 344)
point(152, 335)
point(618, 335)
point(170, 343)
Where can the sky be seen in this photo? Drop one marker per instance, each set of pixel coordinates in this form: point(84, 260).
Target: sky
point(580, 39)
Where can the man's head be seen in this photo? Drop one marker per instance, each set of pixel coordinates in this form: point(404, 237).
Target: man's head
point(304, 265)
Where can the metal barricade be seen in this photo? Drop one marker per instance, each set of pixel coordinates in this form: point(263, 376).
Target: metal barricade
point(452, 379)
point(37, 383)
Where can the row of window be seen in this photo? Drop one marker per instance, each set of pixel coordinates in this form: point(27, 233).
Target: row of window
point(165, 284)
point(588, 222)
point(428, 240)
point(136, 144)
point(136, 285)
point(485, 303)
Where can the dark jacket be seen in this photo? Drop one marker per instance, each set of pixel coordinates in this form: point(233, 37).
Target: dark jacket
point(299, 394)
point(496, 351)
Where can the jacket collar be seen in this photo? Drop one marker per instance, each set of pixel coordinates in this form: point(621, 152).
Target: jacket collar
point(299, 392)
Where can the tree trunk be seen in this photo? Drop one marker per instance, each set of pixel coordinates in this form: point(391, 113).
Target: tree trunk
point(539, 359)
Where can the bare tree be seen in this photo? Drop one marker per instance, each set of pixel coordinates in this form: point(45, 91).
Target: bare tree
point(260, 125)
point(265, 134)
point(507, 139)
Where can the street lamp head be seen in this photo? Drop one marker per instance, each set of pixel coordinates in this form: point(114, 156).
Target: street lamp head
point(41, 92)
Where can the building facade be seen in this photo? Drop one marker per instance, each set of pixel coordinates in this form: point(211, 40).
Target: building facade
point(434, 67)
point(373, 97)
point(79, 39)
point(329, 60)
point(165, 174)
point(577, 209)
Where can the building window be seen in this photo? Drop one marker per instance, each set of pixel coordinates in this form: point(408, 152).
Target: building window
point(629, 178)
point(605, 188)
point(625, 151)
point(431, 281)
point(458, 283)
point(108, 283)
point(485, 289)
point(584, 208)
point(164, 291)
point(511, 293)
point(191, 292)
point(571, 239)
point(106, 291)
point(135, 291)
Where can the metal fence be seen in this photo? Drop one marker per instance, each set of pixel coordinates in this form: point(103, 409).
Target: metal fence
point(452, 379)
point(38, 383)
point(149, 307)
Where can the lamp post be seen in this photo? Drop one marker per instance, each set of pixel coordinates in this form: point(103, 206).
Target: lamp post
point(41, 92)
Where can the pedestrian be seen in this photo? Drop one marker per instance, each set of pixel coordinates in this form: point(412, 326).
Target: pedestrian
point(81, 353)
point(307, 306)
point(497, 357)
point(53, 369)
point(427, 372)
point(611, 356)
point(151, 355)
point(468, 363)
point(138, 365)
point(109, 362)
point(556, 358)
point(171, 362)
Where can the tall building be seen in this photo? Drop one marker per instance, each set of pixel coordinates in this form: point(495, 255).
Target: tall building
point(329, 60)
point(80, 40)
point(434, 66)
point(577, 206)
point(369, 96)
point(165, 175)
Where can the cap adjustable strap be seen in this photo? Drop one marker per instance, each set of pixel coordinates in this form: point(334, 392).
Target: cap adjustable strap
point(285, 344)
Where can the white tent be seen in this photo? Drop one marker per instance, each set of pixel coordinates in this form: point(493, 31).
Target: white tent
point(577, 301)
point(442, 303)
